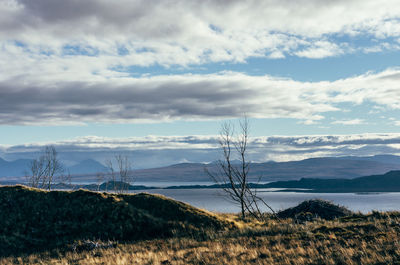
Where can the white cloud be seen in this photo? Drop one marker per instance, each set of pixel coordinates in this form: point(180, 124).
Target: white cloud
point(49, 99)
point(320, 49)
point(349, 122)
point(308, 122)
point(152, 151)
point(67, 61)
point(157, 98)
point(192, 32)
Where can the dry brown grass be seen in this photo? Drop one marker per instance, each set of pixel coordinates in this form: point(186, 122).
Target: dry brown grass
point(358, 239)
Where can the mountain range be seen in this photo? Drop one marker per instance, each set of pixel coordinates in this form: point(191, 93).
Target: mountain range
point(14, 168)
point(322, 168)
point(20, 167)
point(389, 182)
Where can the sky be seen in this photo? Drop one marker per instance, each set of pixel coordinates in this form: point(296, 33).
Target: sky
point(125, 71)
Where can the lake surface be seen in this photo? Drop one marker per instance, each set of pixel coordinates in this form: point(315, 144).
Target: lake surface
point(215, 200)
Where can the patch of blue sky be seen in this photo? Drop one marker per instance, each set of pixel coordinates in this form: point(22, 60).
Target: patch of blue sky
point(293, 67)
point(373, 118)
point(41, 49)
point(358, 59)
point(122, 50)
point(14, 135)
point(74, 50)
point(358, 39)
point(19, 44)
point(144, 50)
point(46, 52)
point(215, 28)
point(153, 70)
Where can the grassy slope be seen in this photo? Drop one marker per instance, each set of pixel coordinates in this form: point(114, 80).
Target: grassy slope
point(34, 220)
point(169, 232)
point(359, 239)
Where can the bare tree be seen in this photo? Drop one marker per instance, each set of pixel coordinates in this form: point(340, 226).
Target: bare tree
point(53, 166)
point(121, 173)
point(37, 171)
point(234, 177)
point(100, 179)
point(110, 167)
point(66, 179)
point(44, 169)
point(125, 168)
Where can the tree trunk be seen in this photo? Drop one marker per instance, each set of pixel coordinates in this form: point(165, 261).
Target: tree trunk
point(243, 209)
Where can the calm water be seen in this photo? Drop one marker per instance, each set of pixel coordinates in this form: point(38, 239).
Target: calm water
point(214, 199)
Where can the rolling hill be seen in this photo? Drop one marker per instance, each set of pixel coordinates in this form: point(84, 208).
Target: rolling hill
point(389, 182)
point(36, 220)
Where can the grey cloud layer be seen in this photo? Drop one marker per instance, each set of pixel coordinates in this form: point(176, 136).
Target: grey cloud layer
point(194, 32)
point(60, 60)
point(153, 151)
point(153, 19)
point(157, 98)
point(37, 100)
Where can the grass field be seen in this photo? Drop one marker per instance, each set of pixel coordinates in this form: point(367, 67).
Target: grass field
point(194, 236)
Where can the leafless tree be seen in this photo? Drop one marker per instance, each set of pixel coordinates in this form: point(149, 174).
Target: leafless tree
point(44, 169)
point(53, 166)
point(66, 179)
point(100, 179)
point(125, 168)
point(234, 177)
point(120, 173)
point(112, 175)
point(37, 171)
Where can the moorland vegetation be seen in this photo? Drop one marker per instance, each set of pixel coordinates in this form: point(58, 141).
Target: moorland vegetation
point(84, 227)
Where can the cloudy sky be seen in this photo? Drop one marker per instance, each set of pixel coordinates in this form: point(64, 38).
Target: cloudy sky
point(119, 70)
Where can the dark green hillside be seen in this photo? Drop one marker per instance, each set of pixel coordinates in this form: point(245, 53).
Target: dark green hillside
point(389, 182)
point(34, 220)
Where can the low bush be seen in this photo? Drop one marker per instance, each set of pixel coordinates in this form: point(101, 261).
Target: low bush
point(307, 210)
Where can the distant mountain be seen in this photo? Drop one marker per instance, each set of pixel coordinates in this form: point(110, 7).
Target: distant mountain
point(18, 168)
point(14, 168)
point(323, 168)
point(88, 166)
point(389, 182)
point(387, 159)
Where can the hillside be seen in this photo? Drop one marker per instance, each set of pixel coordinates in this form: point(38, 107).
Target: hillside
point(389, 182)
point(35, 220)
point(146, 229)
